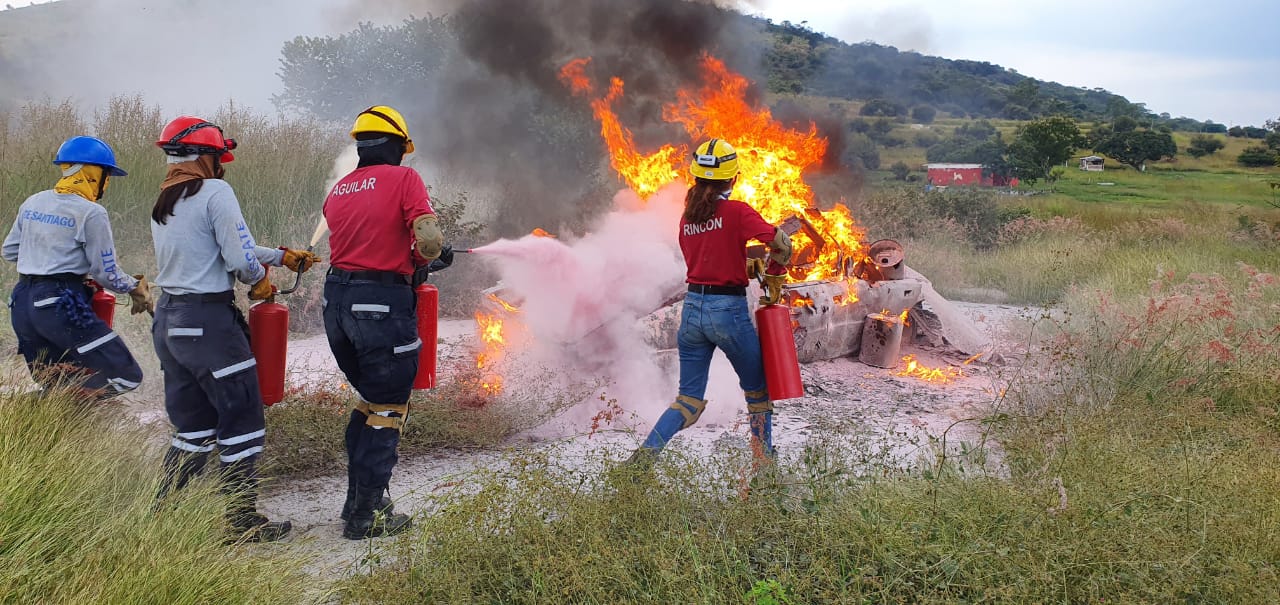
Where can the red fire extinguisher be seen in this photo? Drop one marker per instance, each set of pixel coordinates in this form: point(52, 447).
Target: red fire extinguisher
point(428, 313)
point(269, 340)
point(778, 346)
point(103, 303)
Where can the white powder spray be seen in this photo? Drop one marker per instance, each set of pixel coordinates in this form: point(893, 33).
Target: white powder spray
point(581, 302)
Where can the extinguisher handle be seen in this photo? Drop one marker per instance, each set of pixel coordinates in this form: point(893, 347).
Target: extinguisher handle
point(297, 280)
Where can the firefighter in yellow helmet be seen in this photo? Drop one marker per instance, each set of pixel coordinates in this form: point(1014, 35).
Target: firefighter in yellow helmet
point(714, 232)
point(382, 228)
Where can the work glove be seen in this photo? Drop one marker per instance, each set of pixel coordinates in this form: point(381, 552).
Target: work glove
point(444, 261)
point(142, 298)
point(755, 268)
point(299, 261)
point(261, 290)
point(773, 289)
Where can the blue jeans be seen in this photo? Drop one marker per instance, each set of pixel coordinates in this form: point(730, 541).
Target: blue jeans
point(711, 321)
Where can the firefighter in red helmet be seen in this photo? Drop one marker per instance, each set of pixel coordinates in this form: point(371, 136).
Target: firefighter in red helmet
point(381, 228)
point(203, 246)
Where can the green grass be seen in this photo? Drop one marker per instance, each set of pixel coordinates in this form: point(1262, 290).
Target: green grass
point(1142, 469)
point(77, 526)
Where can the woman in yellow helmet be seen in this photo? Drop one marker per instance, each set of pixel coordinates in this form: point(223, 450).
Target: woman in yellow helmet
point(714, 231)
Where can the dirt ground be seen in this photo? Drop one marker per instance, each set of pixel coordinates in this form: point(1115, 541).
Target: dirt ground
point(898, 420)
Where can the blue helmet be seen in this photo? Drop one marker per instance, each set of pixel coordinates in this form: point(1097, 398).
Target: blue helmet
point(88, 150)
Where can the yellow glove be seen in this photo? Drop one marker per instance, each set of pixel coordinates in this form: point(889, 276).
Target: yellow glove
point(141, 296)
point(299, 261)
point(755, 268)
point(773, 289)
point(261, 290)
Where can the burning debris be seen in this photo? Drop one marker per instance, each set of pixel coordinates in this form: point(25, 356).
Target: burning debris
point(846, 298)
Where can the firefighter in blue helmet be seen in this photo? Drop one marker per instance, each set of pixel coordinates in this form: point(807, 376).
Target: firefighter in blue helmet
point(61, 237)
point(203, 246)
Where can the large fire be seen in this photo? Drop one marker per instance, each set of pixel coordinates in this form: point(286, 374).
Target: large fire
point(772, 157)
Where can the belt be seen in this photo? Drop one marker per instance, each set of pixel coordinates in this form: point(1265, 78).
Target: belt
point(186, 299)
point(343, 276)
point(56, 277)
point(722, 290)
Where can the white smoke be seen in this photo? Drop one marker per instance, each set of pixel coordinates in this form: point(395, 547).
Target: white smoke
point(581, 303)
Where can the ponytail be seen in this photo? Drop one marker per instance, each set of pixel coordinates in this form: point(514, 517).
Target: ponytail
point(170, 196)
point(701, 200)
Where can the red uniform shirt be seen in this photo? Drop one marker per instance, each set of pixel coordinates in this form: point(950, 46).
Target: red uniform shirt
point(370, 214)
point(715, 251)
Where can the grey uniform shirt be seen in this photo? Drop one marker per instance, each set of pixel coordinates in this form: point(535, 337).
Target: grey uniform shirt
point(65, 233)
point(206, 245)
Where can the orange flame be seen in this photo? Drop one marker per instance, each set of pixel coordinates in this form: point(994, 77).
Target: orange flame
point(506, 306)
point(772, 159)
point(540, 232)
point(493, 339)
point(937, 375)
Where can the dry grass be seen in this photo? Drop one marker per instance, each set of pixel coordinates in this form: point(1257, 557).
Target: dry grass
point(1142, 469)
point(76, 521)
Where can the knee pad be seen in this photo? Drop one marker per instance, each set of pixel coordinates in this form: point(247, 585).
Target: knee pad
point(378, 415)
point(690, 408)
point(758, 401)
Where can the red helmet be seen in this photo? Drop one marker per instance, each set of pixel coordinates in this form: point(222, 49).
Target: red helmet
point(188, 135)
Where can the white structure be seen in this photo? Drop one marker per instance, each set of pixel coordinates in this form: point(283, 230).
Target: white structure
point(1092, 163)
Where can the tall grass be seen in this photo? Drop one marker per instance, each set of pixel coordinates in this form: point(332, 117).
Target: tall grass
point(1140, 467)
point(77, 526)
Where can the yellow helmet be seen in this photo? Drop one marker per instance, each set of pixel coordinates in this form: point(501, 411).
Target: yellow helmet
point(381, 118)
point(715, 160)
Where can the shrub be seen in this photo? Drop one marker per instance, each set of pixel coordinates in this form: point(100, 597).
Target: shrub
point(1203, 144)
point(900, 170)
point(1256, 156)
point(926, 139)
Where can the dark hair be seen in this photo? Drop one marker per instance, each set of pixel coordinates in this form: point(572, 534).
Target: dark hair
point(701, 200)
point(169, 197)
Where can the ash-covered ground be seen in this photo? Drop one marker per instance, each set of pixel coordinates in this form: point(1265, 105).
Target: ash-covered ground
point(877, 417)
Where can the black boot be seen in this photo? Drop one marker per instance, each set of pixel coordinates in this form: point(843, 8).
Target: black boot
point(250, 525)
point(247, 524)
point(179, 468)
point(369, 521)
point(385, 504)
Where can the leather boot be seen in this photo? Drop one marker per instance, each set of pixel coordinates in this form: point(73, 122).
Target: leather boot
point(385, 504)
point(368, 521)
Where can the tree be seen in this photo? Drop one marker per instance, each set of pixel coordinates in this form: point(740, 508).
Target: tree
point(1257, 156)
point(900, 170)
point(1124, 124)
point(881, 107)
point(923, 114)
point(1203, 144)
point(1138, 147)
point(1040, 145)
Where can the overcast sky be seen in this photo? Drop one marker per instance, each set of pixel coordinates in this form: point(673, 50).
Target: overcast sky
point(1215, 60)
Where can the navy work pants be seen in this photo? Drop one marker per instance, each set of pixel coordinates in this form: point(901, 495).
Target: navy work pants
point(373, 333)
point(64, 342)
point(210, 385)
